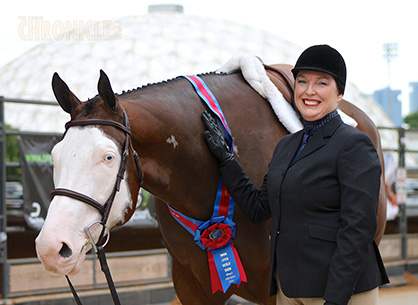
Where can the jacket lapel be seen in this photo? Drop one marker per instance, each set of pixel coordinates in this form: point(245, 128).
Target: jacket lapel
point(318, 139)
point(292, 147)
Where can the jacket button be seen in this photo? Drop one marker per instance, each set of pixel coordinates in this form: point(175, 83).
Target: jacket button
point(278, 194)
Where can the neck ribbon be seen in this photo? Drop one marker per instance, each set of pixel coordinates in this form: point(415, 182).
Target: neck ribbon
point(216, 236)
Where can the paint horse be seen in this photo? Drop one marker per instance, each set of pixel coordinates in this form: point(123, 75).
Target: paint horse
point(175, 165)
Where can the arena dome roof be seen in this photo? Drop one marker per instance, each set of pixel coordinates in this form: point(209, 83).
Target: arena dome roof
point(143, 49)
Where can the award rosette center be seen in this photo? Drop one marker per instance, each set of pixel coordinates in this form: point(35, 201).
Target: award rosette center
point(215, 233)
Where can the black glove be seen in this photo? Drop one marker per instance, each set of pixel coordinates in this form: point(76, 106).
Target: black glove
point(216, 141)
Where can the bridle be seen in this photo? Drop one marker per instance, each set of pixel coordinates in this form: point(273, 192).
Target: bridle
point(104, 209)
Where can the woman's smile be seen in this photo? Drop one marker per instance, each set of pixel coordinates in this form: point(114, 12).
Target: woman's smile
point(310, 102)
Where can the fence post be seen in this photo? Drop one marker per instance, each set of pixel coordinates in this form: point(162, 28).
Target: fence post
point(403, 225)
point(5, 283)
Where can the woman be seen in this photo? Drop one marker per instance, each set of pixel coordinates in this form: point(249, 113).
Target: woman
point(321, 191)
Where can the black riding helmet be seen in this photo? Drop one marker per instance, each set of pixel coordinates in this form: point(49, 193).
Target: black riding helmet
point(322, 58)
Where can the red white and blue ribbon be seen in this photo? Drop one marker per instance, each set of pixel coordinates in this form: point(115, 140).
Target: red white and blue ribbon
point(216, 235)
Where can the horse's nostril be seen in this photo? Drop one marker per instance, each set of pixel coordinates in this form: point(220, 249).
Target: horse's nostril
point(65, 251)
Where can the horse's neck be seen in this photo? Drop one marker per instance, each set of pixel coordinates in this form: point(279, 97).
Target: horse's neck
point(167, 134)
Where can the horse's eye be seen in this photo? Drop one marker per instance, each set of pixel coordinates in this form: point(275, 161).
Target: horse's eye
point(109, 158)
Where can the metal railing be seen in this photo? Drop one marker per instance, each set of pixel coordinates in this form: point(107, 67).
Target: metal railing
point(92, 280)
point(400, 143)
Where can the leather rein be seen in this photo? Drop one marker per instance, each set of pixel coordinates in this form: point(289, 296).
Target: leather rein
point(104, 209)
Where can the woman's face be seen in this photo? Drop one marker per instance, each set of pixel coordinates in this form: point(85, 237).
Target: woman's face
point(316, 94)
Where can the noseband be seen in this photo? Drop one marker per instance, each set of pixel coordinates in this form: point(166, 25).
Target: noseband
point(104, 209)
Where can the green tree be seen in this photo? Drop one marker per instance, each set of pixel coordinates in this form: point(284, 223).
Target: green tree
point(412, 120)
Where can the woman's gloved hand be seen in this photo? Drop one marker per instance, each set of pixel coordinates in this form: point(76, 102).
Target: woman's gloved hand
point(216, 141)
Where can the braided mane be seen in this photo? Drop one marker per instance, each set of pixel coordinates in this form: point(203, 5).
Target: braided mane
point(91, 101)
point(161, 83)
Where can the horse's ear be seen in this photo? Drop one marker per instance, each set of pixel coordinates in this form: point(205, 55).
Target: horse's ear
point(64, 96)
point(105, 90)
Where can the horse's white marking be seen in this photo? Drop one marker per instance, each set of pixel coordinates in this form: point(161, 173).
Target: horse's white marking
point(85, 161)
point(172, 140)
point(236, 151)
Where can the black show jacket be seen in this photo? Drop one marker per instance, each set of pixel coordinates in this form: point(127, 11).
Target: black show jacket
point(323, 207)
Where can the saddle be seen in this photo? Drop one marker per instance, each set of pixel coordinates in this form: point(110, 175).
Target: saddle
point(282, 77)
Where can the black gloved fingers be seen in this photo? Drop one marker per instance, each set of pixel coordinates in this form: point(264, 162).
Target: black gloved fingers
point(209, 121)
point(212, 127)
point(215, 140)
point(208, 136)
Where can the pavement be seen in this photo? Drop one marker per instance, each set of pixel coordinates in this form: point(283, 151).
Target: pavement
point(404, 295)
point(404, 292)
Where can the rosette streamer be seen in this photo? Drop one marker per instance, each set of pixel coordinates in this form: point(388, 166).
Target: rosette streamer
point(216, 236)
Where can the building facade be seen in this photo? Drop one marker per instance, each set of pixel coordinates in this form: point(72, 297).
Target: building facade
point(392, 106)
point(413, 97)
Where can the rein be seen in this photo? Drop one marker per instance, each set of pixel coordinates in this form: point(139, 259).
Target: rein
point(104, 209)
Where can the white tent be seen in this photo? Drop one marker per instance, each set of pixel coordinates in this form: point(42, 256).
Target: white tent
point(139, 50)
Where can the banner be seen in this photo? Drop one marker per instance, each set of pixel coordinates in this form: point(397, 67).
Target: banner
point(36, 164)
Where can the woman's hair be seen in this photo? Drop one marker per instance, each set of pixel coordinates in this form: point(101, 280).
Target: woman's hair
point(340, 86)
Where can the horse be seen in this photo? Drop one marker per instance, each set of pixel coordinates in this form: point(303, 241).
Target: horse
point(174, 164)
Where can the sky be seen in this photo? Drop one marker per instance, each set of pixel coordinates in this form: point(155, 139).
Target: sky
point(358, 29)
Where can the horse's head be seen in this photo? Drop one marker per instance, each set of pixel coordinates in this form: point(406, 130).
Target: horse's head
point(87, 163)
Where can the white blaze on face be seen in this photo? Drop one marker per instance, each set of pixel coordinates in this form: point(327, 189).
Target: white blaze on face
point(85, 161)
